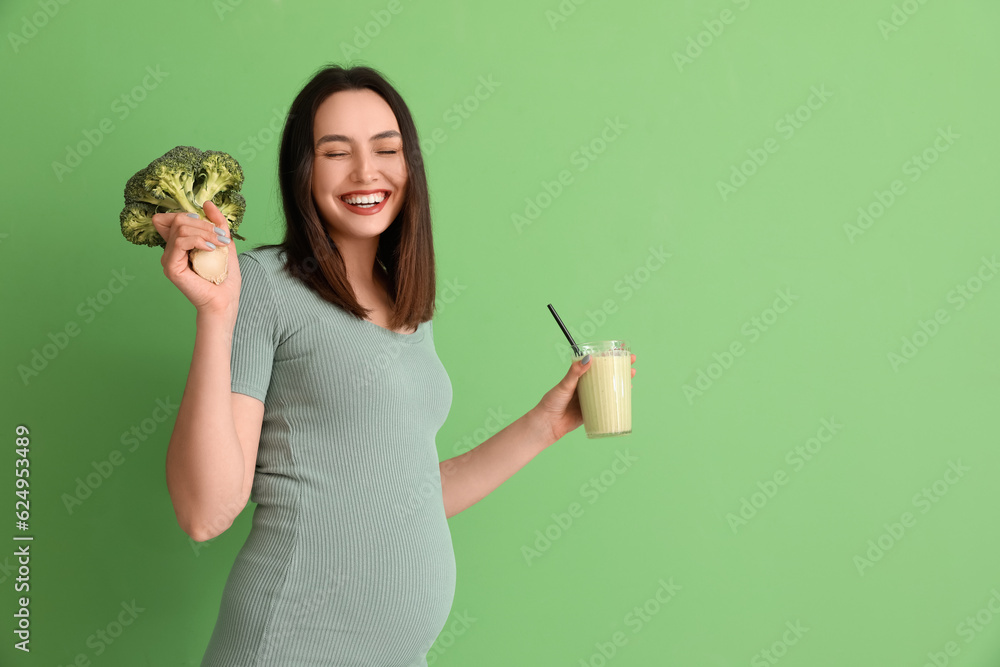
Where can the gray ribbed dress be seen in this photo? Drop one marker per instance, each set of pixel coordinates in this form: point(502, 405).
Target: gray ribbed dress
point(349, 560)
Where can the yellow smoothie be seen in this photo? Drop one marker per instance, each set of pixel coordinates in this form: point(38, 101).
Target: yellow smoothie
point(605, 393)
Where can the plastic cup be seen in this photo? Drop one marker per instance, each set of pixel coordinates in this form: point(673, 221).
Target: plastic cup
point(605, 390)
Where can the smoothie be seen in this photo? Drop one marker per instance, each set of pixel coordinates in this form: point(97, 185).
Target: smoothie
point(605, 390)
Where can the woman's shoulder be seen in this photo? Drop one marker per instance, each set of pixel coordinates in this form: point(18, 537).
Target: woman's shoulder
point(268, 256)
point(268, 260)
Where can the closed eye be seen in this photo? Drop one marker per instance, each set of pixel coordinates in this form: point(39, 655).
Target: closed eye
point(380, 152)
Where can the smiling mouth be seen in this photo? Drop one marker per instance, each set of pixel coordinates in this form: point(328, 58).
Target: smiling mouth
point(366, 201)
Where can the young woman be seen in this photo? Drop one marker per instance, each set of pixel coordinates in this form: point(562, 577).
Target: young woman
point(315, 390)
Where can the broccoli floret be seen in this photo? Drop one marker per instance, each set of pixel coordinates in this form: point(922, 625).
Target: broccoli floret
point(137, 224)
point(219, 172)
point(136, 191)
point(182, 180)
point(232, 205)
point(173, 175)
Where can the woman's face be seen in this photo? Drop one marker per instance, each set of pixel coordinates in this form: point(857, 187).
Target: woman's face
point(359, 173)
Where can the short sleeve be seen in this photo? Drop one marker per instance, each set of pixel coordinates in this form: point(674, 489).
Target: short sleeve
point(255, 334)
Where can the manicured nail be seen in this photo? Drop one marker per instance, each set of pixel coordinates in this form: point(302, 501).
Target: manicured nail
point(210, 245)
point(585, 360)
point(193, 215)
point(220, 231)
point(222, 239)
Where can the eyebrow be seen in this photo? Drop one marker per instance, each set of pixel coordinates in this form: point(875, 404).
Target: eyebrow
point(387, 134)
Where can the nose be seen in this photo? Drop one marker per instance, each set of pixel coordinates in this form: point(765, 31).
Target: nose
point(364, 168)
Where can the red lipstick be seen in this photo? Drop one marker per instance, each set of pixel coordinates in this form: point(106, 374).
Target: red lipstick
point(365, 210)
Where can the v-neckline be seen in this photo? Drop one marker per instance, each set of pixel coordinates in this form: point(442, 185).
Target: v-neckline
point(414, 337)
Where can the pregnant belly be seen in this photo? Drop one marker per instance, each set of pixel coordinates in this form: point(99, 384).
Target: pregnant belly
point(361, 589)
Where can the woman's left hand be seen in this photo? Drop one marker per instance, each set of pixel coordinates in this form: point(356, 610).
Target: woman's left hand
point(559, 409)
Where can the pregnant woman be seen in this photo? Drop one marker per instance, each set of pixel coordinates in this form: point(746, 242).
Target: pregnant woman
point(315, 390)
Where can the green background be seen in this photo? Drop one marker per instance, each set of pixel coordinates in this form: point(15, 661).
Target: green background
point(892, 74)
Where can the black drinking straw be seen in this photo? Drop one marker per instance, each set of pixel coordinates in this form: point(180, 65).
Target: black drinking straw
point(562, 326)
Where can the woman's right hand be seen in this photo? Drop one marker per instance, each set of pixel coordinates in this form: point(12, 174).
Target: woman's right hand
point(184, 233)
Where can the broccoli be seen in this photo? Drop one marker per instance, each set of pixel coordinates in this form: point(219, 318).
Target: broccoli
point(183, 179)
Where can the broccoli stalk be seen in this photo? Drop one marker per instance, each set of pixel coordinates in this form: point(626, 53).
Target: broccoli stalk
point(183, 179)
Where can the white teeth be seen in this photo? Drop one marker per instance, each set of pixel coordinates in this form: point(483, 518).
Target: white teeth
point(365, 199)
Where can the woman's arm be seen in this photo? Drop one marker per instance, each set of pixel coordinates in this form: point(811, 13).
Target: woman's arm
point(467, 479)
point(205, 466)
point(470, 477)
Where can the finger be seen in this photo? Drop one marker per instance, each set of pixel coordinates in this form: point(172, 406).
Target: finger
point(167, 223)
point(578, 368)
point(191, 242)
point(219, 221)
point(213, 213)
point(633, 372)
point(633, 358)
point(191, 224)
point(161, 223)
point(203, 231)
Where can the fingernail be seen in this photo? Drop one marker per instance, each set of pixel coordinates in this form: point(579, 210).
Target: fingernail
point(585, 360)
point(222, 239)
point(193, 215)
point(210, 245)
point(220, 231)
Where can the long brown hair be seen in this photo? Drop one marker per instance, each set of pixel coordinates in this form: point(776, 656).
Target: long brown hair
point(405, 249)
